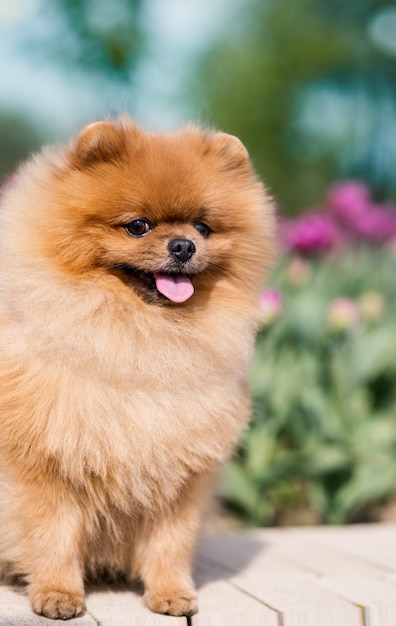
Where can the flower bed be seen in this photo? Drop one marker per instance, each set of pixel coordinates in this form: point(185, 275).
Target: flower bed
point(322, 445)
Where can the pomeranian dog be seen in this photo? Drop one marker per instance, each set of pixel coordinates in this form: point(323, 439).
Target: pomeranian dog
point(131, 267)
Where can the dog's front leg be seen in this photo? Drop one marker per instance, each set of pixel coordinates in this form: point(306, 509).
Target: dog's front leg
point(51, 549)
point(164, 550)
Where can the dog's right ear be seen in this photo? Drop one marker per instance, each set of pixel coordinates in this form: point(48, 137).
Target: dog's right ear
point(99, 142)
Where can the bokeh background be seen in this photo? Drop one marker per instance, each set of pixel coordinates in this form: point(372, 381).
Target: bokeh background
point(310, 88)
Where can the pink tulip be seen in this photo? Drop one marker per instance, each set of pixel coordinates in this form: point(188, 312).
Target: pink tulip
point(270, 304)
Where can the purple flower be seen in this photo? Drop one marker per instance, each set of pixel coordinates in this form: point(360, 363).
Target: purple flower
point(348, 199)
point(376, 223)
point(270, 304)
point(350, 202)
point(349, 215)
point(312, 232)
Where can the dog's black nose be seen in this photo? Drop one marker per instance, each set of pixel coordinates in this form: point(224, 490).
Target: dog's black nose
point(182, 249)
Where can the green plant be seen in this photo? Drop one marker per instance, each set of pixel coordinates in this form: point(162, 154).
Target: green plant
point(322, 444)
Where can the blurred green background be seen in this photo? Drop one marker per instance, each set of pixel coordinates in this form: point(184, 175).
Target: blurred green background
point(310, 88)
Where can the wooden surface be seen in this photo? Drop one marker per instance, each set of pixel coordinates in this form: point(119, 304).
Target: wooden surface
point(322, 576)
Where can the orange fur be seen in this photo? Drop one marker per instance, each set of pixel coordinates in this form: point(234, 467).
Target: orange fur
point(118, 406)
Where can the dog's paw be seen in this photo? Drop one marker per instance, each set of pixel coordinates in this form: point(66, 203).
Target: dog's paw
point(181, 602)
point(57, 604)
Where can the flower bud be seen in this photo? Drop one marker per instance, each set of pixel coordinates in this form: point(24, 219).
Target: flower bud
point(372, 306)
point(343, 314)
point(270, 304)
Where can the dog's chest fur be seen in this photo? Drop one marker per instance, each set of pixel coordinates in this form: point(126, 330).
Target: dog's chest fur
point(123, 400)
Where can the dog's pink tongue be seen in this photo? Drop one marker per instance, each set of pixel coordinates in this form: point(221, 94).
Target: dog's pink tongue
point(175, 288)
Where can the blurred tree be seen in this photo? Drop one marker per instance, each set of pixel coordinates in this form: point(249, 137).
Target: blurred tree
point(18, 139)
point(94, 35)
point(304, 86)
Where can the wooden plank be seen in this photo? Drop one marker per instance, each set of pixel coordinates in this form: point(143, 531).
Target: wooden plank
point(252, 552)
point(356, 562)
point(301, 602)
point(372, 544)
point(220, 603)
point(318, 557)
point(256, 565)
point(15, 609)
point(377, 597)
point(123, 607)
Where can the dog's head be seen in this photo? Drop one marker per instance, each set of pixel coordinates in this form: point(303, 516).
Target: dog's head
point(169, 214)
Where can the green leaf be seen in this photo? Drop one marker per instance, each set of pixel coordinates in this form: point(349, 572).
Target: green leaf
point(370, 483)
point(374, 354)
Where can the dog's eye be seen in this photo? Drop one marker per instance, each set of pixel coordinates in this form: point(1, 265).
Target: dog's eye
point(203, 229)
point(138, 227)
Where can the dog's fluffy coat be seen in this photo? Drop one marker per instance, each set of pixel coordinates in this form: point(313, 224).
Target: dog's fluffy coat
point(117, 405)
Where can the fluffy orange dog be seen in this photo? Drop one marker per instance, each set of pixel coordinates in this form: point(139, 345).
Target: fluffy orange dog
point(131, 265)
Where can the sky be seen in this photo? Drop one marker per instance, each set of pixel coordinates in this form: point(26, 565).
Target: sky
point(61, 100)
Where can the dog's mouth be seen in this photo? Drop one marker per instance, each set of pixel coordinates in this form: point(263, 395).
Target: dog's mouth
point(175, 287)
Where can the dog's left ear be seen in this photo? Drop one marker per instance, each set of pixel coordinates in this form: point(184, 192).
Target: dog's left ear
point(231, 149)
point(99, 142)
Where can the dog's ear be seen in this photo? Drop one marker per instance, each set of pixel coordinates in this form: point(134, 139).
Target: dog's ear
point(99, 142)
point(230, 149)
